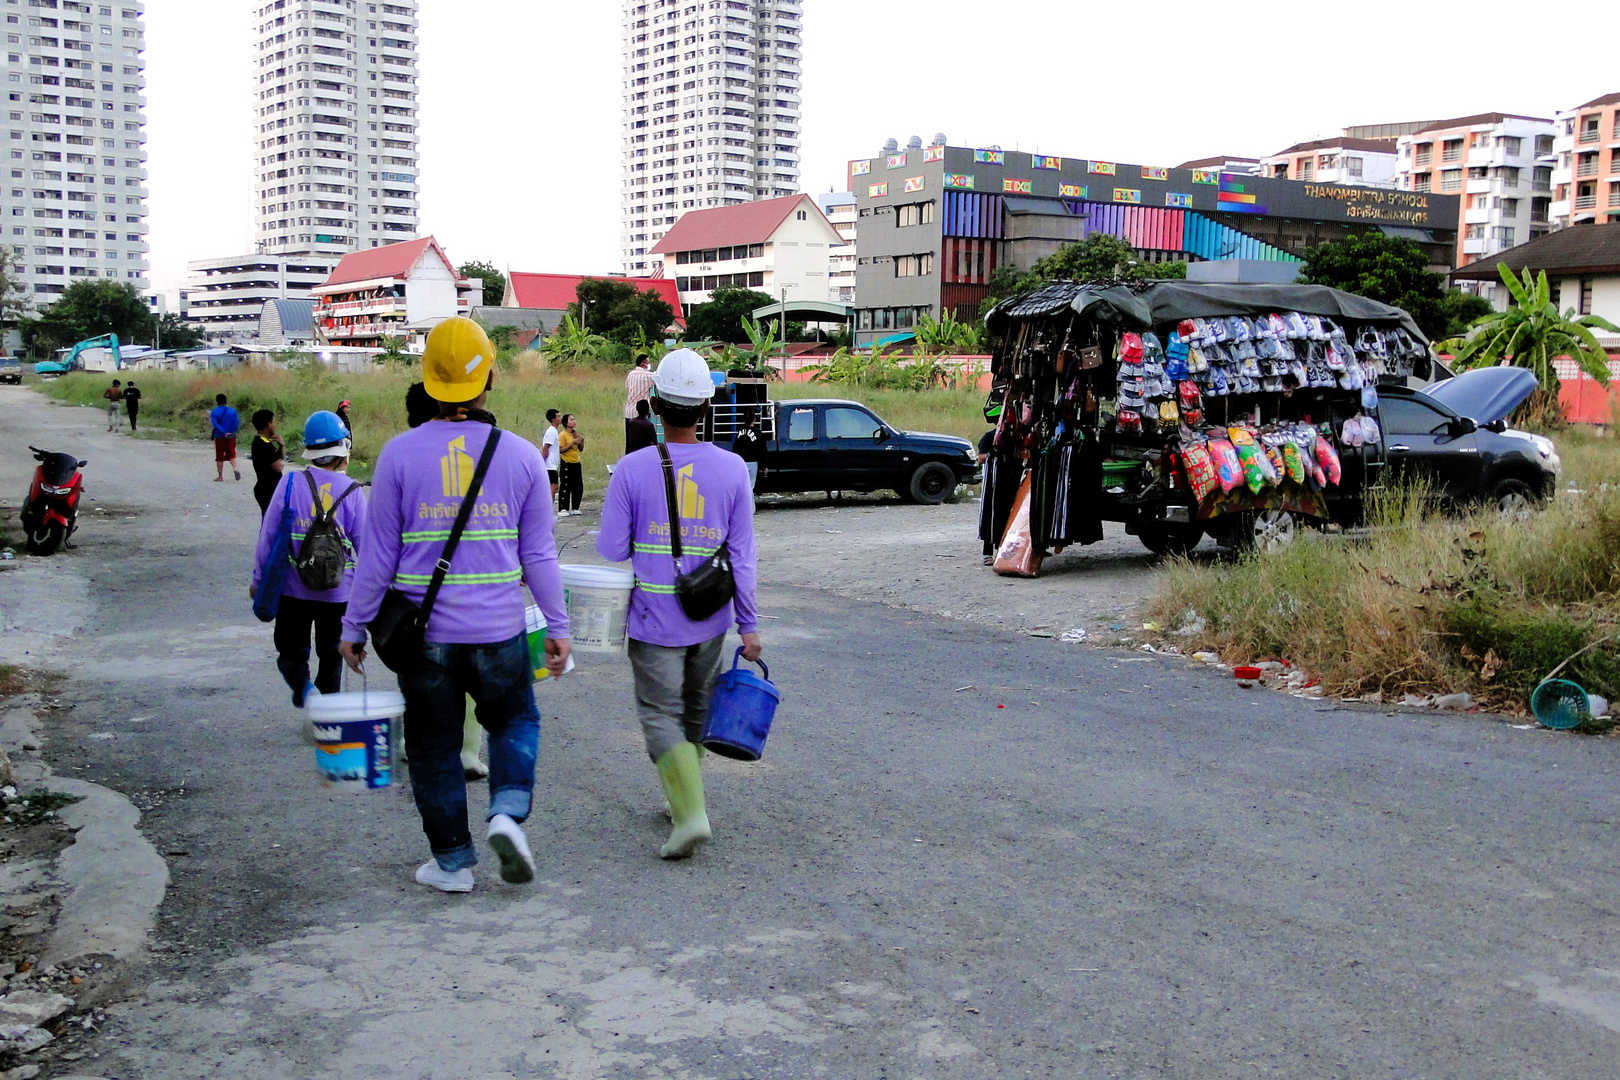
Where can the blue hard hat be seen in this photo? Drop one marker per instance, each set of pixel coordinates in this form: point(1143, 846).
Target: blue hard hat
point(325, 436)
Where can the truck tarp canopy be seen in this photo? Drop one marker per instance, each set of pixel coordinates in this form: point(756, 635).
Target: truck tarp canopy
point(1165, 302)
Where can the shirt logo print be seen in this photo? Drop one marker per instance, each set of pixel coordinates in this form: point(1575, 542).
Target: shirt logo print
point(687, 495)
point(326, 498)
point(456, 468)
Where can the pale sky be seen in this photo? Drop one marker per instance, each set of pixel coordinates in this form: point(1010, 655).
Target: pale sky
point(520, 98)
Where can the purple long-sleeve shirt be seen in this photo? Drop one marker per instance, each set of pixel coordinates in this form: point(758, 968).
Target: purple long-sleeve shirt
point(716, 505)
point(351, 518)
point(420, 480)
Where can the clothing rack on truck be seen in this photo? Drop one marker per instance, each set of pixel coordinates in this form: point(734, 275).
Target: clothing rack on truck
point(1182, 409)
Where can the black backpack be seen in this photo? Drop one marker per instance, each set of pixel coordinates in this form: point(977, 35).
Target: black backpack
point(324, 553)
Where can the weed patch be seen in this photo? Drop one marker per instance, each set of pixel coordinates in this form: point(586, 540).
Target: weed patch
point(1429, 603)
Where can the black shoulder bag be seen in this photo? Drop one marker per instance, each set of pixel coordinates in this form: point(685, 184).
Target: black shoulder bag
point(397, 631)
point(711, 585)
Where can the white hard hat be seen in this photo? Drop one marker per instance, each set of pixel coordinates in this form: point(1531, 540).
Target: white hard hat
point(683, 378)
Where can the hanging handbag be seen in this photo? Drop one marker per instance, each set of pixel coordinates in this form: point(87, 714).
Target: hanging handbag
point(397, 633)
point(709, 587)
point(273, 578)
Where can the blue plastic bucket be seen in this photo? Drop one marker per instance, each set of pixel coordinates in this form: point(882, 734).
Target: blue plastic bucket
point(740, 712)
point(356, 738)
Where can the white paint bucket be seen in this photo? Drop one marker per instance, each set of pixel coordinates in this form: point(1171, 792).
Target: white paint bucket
point(598, 599)
point(357, 738)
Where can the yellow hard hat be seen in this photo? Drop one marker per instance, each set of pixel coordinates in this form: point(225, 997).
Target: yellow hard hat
point(456, 363)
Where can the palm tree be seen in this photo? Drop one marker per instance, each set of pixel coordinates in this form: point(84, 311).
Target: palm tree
point(1532, 334)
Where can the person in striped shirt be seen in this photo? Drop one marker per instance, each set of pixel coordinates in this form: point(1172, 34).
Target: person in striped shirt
point(637, 387)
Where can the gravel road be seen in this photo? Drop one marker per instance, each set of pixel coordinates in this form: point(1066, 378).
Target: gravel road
point(969, 853)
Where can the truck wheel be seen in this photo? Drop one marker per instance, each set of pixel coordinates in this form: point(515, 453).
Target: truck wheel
point(1513, 498)
point(1262, 530)
point(1170, 538)
point(932, 483)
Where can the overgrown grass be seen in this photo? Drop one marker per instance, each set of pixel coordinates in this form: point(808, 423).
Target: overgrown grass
point(181, 401)
point(1430, 603)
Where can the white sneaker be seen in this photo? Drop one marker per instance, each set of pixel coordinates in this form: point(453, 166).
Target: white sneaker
point(445, 881)
point(506, 840)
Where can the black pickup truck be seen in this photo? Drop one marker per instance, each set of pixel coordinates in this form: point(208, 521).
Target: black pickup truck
point(821, 444)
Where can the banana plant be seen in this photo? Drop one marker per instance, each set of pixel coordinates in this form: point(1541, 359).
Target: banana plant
point(946, 336)
point(1531, 334)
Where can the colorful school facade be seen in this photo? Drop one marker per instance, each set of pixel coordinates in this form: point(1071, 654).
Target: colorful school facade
point(936, 221)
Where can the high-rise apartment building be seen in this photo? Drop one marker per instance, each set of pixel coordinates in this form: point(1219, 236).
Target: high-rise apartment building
point(1496, 163)
point(74, 204)
point(711, 111)
point(335, 110)
point(1585, 163)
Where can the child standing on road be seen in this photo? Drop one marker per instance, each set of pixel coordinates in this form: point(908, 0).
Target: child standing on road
point(569, 445)
point(225, 423)
point(548, 450)
point(268, 455)
point(675, 661)
point(113, 395)
point(303, 608)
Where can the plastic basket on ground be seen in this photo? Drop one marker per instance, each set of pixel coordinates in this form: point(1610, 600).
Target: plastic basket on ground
point(598, 599)
point(1561, 704)
point(357, 736)
point(740, 712)
point(1120, 473)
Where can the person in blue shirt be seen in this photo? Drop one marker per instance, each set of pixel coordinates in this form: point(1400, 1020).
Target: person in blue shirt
point(225, 424)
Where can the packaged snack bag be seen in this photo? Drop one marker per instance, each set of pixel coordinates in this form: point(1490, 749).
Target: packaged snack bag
point(1200, 469)
point(1328, 458)
point(1293, 463)
point(1254, 475)
point(1228, 469)
point(1274, 458)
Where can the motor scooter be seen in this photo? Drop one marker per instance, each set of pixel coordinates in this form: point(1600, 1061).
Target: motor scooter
point(51, 513)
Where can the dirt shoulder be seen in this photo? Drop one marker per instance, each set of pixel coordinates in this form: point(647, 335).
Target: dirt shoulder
point(929, 558)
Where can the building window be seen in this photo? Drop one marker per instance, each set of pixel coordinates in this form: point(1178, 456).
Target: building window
point(1451, 180)
point(913, 214)
point(1353, 167)
point(1586, 297)
point(1504, 235)
point(1451, 150)
point(1511, 145)
point(1510, 207)
point(1326, 161)
point(1307, 169)
point(1509, 177)
point(1422, 153)
point(1476, 232)
point(803, 215)
point(913, 265)
point(1589, 128)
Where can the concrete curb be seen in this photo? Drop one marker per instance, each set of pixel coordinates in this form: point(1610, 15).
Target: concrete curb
point(115, 879)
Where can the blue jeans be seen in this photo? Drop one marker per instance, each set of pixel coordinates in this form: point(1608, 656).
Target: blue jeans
point(500, 682)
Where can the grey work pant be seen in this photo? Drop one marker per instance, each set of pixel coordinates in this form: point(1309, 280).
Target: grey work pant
point(673, 687)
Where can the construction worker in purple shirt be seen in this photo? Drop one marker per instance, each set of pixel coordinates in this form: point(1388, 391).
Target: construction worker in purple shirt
point(475, 642)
